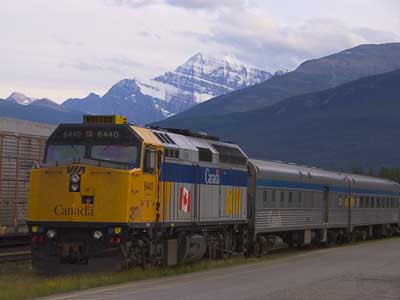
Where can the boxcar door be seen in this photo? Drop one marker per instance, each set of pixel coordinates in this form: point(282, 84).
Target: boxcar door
point(325, 205)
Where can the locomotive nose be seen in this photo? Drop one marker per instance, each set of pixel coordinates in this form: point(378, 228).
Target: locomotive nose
point(79, 193)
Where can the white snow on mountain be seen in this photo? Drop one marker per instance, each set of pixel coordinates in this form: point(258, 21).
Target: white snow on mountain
point(202, 77)
point(20, 99)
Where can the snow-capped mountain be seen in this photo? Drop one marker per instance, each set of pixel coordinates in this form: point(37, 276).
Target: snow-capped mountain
point(20, 98)
point(200, 78)
point(147, 100)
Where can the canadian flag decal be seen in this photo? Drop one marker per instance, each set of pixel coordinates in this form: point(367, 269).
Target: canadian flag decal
point(184, 199)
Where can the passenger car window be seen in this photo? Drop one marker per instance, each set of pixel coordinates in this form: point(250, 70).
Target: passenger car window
point(265, 199)
point(282, 198)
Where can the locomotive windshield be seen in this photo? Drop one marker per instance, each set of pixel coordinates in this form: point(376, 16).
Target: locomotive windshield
point(60, 154)
point(114, 146)
point(114, 153)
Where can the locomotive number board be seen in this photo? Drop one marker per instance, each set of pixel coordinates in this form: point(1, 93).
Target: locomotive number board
point(110, 134)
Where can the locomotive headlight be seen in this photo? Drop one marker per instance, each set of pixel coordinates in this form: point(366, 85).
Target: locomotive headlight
point(74, 187)
point(97, 234)
point(51, 233)
point(75, 178)
point(75, 183)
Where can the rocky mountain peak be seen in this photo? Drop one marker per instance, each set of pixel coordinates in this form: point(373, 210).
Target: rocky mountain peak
point(202, 77)
point(20, 98)
point(228, 67)
point(124, 88)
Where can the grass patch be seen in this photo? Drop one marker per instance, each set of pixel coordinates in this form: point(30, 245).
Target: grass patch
point(20, 282)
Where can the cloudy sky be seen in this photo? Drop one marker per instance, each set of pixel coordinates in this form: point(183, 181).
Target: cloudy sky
point(68, 48)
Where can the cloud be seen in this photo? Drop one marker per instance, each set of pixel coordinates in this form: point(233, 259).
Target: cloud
point(265, 42)
point(207, 4)
point(119, 65)
point(147, 34)
point(132, 3)
point(186, 4)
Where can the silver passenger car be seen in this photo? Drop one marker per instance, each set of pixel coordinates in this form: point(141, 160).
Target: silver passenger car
point(289, 197)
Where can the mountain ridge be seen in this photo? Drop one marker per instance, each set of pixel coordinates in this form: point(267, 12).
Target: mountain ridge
point(38, 112)
point(196, 80)
point(311, 76)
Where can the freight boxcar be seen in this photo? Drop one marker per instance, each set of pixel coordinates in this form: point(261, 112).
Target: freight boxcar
point(21, 147)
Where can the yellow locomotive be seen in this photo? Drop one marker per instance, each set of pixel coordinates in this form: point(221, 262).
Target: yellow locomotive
point(110, 194)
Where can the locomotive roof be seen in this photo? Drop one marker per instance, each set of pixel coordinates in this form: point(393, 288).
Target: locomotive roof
point(292, 172)
point(193, 142)
point(190, 145)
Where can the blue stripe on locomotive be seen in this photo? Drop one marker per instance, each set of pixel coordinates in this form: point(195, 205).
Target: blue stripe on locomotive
point(172, 172)
point(317, 187)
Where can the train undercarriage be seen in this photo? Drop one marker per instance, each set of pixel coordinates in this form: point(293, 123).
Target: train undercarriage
point(78, 250)
point(74, 249)
point(267, 241)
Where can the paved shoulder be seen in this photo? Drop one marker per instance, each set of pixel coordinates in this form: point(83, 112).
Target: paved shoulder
point(366, 271)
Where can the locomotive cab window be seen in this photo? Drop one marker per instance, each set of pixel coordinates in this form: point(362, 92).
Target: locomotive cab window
point(230, 155)
point(205, 154)
point(115, 153)
point(149, 162)
point(172, 153)
point(65, 153)
point(113, 146)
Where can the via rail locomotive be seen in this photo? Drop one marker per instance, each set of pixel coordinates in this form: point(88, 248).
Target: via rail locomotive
point(111, 195)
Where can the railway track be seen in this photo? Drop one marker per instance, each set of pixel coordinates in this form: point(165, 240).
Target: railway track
point(15, 256)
